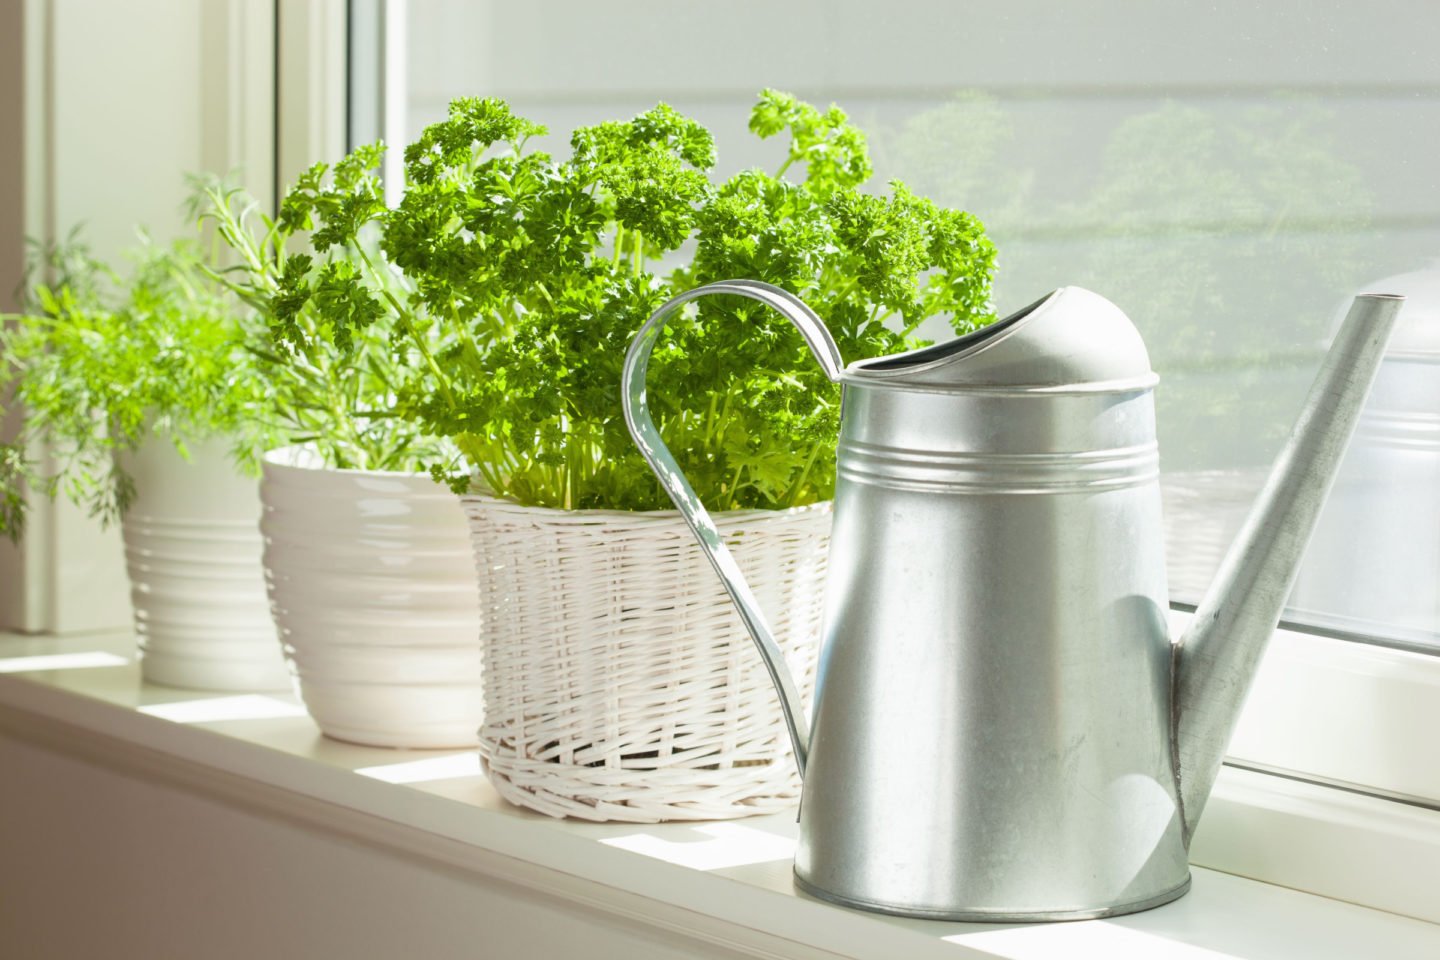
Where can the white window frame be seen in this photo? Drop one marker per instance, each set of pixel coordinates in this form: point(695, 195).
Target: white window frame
point(311, 107)
point(1332, 775)
point(377, 84)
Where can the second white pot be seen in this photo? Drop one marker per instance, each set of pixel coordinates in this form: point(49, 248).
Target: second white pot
point(372, 585)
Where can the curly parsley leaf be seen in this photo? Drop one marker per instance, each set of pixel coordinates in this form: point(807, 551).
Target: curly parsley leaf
point(510, 283)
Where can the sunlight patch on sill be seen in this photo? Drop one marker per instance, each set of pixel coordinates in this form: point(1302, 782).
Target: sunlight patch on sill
point(452, 767)
point(725, 845)
point(1086, 938)
point(251, 706)
point(62, 661)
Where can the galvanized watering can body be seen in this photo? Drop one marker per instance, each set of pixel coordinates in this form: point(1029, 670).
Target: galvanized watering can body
point(1003, 728)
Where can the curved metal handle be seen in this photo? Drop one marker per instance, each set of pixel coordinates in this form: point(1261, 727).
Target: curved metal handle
point(647, 438)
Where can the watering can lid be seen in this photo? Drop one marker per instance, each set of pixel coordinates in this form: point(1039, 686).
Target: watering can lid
point(1071, 338)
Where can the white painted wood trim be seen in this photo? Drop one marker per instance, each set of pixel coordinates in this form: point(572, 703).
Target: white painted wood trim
point(394, 101)
point(313, 79)
point(15, 579)
point(1343, 711)
point(26, 578)
point(238, 120)
point(378, 87)
point(1335, 843)
point(1346, 711)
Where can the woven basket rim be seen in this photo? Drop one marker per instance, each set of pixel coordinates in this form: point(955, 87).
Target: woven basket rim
point(820, 506)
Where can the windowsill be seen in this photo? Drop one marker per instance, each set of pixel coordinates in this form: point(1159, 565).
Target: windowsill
point(262, 752)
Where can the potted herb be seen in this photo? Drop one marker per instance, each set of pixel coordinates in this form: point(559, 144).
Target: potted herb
point(143, 394)
point(619, 684)
point(367, 560)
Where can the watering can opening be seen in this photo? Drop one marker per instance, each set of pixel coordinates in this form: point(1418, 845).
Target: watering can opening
point(1070, 339)
point(950, 348)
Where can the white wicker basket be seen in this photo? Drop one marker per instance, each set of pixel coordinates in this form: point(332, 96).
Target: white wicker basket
point(619, 681)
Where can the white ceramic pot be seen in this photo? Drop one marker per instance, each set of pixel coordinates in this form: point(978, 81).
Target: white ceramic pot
point(192, 550)
point(372, 584)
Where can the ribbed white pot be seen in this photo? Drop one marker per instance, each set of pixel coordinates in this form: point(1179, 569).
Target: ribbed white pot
point(192, 550)
point(372, 584)
point(620, 683)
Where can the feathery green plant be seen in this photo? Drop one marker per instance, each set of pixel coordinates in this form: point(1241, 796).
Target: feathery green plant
point(333, 380)
point(101, 364)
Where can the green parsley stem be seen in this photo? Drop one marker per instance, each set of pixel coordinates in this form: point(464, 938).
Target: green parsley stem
point(407, 321)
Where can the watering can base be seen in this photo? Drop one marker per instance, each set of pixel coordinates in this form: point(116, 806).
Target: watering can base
point(996, 915)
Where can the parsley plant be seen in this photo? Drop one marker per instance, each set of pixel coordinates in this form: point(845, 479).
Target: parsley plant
point(516, 281)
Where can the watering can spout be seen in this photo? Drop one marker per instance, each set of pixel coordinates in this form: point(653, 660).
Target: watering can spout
point(1218, 655)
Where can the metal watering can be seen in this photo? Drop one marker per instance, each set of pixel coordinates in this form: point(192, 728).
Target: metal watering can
point(1004, 729)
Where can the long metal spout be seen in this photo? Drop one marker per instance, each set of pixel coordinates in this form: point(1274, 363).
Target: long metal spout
point(1217, 657)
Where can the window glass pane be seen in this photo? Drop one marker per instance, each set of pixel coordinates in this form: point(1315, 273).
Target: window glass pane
point(1230, 174)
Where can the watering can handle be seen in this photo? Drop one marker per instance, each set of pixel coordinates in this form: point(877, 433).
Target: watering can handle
point(647, 438)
